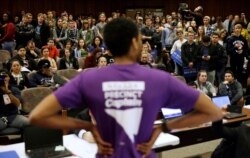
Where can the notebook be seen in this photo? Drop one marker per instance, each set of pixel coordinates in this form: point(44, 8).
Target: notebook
point(9, 154)
point(235, 111)
point(44, 143)
point(169, 113)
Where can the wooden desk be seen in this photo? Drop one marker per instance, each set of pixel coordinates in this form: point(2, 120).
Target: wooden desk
point(191, 136)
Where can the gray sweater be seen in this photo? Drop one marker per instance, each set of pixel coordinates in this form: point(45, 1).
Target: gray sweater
point(233, 90)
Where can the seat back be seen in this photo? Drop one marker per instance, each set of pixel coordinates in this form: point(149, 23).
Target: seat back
point(181, 78)
point(67, 73)
point(32, 96)
point(5, 56)
point(81, 61)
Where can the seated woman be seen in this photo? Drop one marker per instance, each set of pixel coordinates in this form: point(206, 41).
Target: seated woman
point(45, 55)
point(18, 78)
point(203, 85)
point(68, 61)
point(68, 46)
point(9, 104)
point(97, 43)
point(81, 49)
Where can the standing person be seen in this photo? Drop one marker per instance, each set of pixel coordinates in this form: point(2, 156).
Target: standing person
point(121, 99)
point(8, 38)
point(189, 51)
point(24, 31)
point(147, 32)
point(42, 31)
point(100, 26)
point(237, 48)
point(177, 47)
point(221, 62)
point(59, 34)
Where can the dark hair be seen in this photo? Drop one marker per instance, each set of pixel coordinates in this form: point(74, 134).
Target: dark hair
point(118, 35)
point(229, 72)
point(206, 39)
point(199, 73)
point(192, 83)
point(10, 18)
point(44, 47)
point(3, 75)
point(93, 43)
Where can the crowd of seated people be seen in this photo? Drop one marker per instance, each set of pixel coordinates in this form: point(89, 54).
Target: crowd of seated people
point(49, 43)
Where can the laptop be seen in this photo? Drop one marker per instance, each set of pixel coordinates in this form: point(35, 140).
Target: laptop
point(169, 113)
point(235, 111)
point(44, 143)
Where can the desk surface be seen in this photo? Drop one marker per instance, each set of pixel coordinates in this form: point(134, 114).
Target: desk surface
point(82, 148)
point(202, 133)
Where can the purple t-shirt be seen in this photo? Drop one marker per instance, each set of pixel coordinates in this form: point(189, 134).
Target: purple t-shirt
point(125, 100)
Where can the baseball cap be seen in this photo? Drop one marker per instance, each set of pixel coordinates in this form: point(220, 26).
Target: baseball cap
point(44, 63)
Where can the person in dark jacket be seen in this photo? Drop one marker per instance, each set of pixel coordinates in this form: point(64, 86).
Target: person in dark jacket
point(68, 61)
point(231, 88)
point(222, 58)
point(236, 142)
point(43, 77)
point(42, 31)
point(237, 48)
point(207, 58)
point(189, 51)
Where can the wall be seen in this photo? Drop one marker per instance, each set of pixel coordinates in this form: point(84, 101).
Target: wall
point(86, 7)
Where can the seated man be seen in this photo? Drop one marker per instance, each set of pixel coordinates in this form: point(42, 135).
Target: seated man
point(231, 88)
point(9, 106)
point(43, 77)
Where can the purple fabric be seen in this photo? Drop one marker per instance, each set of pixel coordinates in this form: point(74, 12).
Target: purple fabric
point(125, 100)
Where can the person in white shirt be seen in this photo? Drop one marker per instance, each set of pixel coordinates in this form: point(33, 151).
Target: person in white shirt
point(177, 47)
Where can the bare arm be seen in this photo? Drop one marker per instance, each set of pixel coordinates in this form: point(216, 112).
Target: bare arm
point(46, 115)
point(204, 111)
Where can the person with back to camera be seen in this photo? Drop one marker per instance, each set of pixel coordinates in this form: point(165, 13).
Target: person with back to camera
point(121, 99)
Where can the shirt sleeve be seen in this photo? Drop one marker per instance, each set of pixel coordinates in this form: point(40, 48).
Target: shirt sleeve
point(180, 95)
point(71, 94)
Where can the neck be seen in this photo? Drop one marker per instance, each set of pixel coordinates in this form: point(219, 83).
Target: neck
point(124, 60)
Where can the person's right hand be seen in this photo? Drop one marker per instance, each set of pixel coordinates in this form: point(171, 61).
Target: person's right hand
point(225, 82)
point(104, 148)
point(190, 64)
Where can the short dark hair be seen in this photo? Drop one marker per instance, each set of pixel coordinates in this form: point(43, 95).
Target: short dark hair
point(206, 39)
point(229, 72)
point(118, 35)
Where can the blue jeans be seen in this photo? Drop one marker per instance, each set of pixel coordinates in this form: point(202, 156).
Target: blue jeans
point(9, 46)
